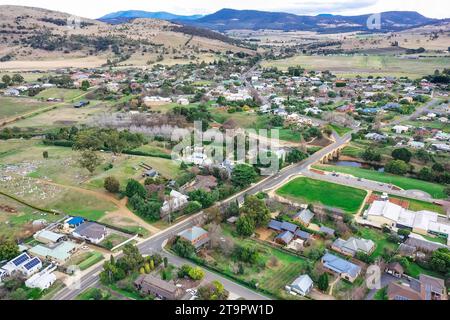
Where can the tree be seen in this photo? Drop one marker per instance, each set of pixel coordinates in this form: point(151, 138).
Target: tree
point(85, 85)
point(256, 209)
point(131, 259)
point(89, 160)
point(296, 156)
point(447, 191)
point(206, 199)
point(6, 79)
point(183, 248)
point(371, 155)
point(276, 121)
point(245, 226)
point(135, 188)
point(402, 154)
point(45, 154)
point(423, 155)
point(112, 185)
point(323, 282)
point(196, 273)
point(243, 175)
point(111, 272)
point(184, 270)
point(399, 167)
point(213, 291)
point(440, 260)
point(166, 262)
point(8, 249)
point(17, 78)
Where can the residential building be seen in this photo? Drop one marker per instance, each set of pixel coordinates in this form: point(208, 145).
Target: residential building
point(90, 231)
point(341, 267)
point(327, 231)
point(302, 285)
point(395, 269)
point(148, 284)
point(353, 245)
point(197, 236)
point(284, 238)
point(304, 217)
point(426, 288)
point(176, 202)
point(31, 267)
point(15, 264)
point(58, 254)
point(400, 129)
point(42, 280)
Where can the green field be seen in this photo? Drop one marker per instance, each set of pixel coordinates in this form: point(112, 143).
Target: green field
point(94, 258)
point(375, 65)
point(11, 107)
point(340, 130)
point(435, 190)
point(59, 93)
point(307, 190)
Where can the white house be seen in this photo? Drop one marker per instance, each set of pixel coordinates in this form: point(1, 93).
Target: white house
point(176, 202)
point(42, 280)
point(302, 285)
point(31, 267)
point(400, 129)
point(16, 263)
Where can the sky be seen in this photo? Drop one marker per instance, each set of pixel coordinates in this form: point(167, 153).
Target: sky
point(98, 8)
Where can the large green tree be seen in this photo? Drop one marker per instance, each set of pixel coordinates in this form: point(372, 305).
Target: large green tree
point(256, 209)
point(243, 175)
point(8, 249)
point(402, 154)
point(245, 226)
point(399, 167)
point(89, 160)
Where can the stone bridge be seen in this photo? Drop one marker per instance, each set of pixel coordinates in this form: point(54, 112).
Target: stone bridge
point(332, 155)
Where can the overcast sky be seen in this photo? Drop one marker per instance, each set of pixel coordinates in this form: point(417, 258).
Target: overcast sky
point(98, 8)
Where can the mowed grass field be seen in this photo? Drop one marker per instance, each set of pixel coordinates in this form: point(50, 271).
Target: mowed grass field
point(305, 190)
point(15, 106)
point(60, 93)
point(435, 190)
point(376, 65)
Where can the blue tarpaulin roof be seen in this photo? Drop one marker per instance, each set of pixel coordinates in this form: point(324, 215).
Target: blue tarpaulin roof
point(75, 221)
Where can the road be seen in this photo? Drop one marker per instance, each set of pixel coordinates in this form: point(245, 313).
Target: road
point(152, 245)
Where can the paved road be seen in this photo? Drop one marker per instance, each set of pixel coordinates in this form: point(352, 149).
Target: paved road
point(154, 245)
point(385, 280)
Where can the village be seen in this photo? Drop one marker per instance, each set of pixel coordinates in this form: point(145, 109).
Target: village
point(88, 184)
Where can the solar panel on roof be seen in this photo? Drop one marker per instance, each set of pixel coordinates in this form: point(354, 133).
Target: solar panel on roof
point(31, 264)
point(20, 259)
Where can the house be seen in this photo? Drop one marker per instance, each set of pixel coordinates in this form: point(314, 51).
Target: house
point(303, 235)
point(206, 183)
point(287, 226)
point(353, 245)
point(441, 147)
point(375, 136)
point(275, 225)
point(148, 284)
point(284, 238)
point(46, 236)
point(12, 92)
point(16, 263)
point(423, 245)
point(327, 231)
point(90, 231)
point(341, 267)
point(31, 267)
point(58, 254)
point(426, 288)
point(183, 101)
point(3, 275)
point(400, 129)
point(302, 285)
point(197, 236)
point(304, 217)
point(416, 144)
point(176, 202)
point(74, 222)
point(42, 280)
point(395, 269)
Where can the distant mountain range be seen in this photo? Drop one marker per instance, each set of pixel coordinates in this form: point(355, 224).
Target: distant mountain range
point(125, 16)
point(229, 19)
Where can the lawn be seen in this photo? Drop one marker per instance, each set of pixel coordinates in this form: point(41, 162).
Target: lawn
point(414, 270)
point(93, 259)
point(340, 130)
point(60, 93)
point(11, 107)
point(307, 190)
point(380, 240)
point(434, 189)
